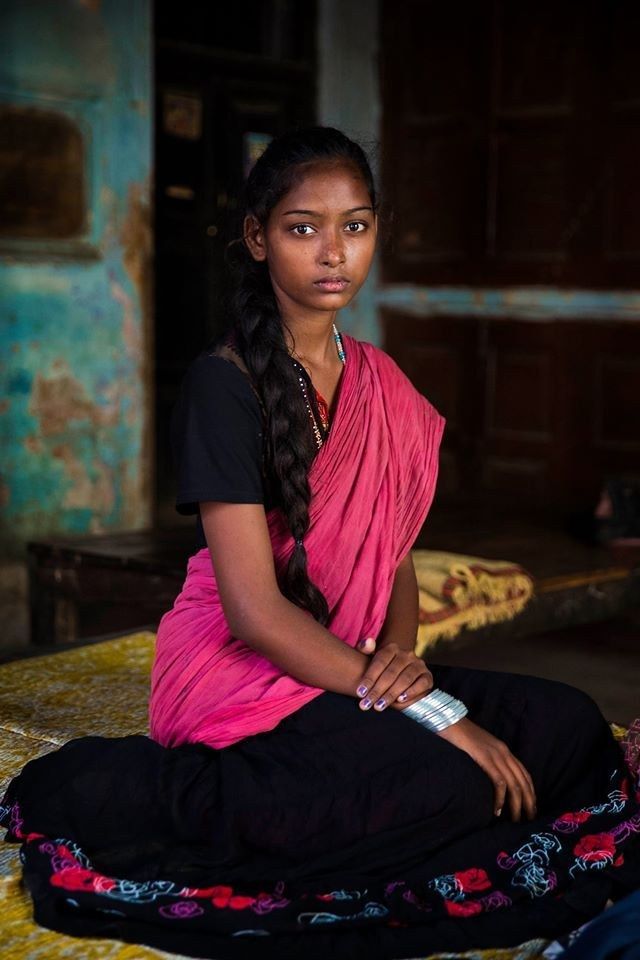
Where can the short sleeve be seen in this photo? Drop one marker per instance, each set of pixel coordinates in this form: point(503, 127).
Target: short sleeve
point(216, 436)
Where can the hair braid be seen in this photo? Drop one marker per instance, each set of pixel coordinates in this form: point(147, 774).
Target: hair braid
point(289, 444)
point(255, 319)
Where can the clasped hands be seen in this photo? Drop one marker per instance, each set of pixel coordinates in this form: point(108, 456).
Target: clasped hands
point(396, 677)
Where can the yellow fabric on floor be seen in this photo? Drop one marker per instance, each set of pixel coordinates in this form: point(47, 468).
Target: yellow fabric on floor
point(102, 689)
point(457, 591)
point(96, 689)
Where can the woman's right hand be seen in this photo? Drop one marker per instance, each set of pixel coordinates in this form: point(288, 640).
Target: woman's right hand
point(511, 780)
point(393, 671)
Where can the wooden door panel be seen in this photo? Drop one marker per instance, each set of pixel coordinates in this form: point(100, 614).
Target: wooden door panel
point(434, 192)
point(617, 402)
point(433, 81)
point(522, 431)
point(517, 479)
point(438, 354)
point(438, 47)
point(536, 46)
point(530, 197)
point(519, 394)
point(623, 42)
point(621, 204)
point(536, 411)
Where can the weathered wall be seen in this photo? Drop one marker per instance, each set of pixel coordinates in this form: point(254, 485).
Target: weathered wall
point(75, 324)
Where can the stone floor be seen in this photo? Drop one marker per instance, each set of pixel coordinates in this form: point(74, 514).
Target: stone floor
point(583, 625)
point(601, 658)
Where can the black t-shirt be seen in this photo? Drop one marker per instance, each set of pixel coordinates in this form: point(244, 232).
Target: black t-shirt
point(217, 439)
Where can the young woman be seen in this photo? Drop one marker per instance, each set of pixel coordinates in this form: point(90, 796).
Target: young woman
point(310, 787)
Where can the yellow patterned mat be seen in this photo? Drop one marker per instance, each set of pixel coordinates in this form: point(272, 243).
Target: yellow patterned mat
point(96, 689)
point(457, 592)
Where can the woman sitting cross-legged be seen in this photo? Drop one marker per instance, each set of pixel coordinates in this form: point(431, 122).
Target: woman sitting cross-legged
point(310, 787)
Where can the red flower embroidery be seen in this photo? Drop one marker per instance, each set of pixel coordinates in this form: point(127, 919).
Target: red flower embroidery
point(595, 847)
point(74, 878)
point(578, 816)
point(66, 854)
point(466, 909)
point(102, 884)
point(224, 897)
point(473, 880)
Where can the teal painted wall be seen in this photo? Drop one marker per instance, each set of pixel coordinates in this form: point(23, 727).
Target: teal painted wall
point(75, 324)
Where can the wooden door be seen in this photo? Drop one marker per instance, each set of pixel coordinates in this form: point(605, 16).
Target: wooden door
point(225, 85)
point(511, 141)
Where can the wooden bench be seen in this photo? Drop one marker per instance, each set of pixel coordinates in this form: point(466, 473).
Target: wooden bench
point(87, 586)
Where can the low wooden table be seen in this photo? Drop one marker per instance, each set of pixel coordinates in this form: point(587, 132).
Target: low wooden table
point(90, 586)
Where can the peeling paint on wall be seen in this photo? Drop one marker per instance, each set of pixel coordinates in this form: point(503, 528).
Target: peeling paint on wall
point(75, 330)
point(60, 399)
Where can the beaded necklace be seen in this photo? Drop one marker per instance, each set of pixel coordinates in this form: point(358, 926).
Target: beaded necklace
point(323, 410)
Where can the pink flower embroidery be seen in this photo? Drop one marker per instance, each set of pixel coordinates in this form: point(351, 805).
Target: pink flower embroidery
point(181, 910)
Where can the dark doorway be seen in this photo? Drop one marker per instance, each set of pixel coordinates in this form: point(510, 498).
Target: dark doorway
point(228, 77)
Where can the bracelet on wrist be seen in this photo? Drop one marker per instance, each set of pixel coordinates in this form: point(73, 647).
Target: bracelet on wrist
point(437, 710)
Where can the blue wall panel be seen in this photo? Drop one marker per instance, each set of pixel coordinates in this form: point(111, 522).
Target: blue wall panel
point(75, 325)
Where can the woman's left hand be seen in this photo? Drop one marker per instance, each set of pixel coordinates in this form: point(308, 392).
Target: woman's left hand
point(418, 680)
point(510, 777)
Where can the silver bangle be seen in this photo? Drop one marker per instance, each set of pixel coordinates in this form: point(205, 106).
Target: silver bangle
point(437, 710)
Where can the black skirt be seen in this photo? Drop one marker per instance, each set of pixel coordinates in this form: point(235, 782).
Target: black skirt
point(340, 832)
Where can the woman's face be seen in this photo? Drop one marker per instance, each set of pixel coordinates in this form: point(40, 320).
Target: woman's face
point(319, 240)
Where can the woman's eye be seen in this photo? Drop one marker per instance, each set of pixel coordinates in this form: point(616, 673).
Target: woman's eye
point(357, 224)
point(300, 227)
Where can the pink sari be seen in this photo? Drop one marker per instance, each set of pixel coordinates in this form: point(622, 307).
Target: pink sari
point(372, 484)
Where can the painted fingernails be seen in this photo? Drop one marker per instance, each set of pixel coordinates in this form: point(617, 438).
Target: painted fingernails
point(380, 704)
point(365, 704)
point(403, 697)
point(362, 690)
point(498, 812)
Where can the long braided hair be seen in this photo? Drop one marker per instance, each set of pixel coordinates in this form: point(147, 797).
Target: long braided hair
point(256, 324)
